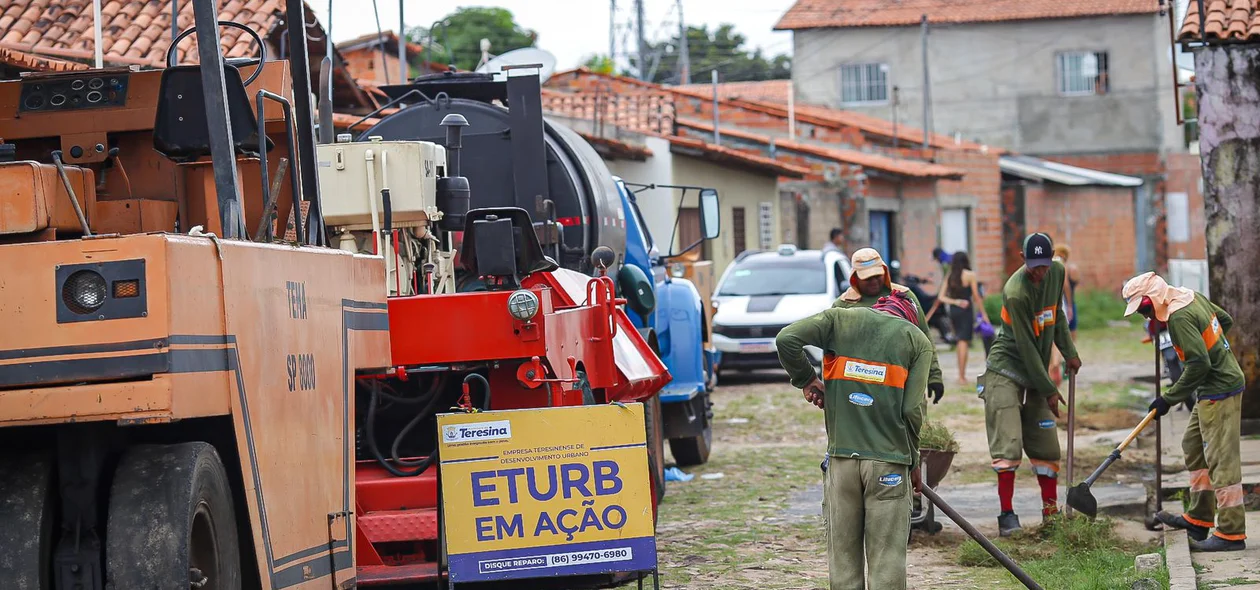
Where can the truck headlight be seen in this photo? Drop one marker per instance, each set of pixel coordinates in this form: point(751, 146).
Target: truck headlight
point(84, 292)
point(523, 305)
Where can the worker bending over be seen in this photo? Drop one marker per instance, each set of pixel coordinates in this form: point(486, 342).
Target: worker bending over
point(1021, 401)
point(875, 367)
point(869, 282)
point(1211, 442)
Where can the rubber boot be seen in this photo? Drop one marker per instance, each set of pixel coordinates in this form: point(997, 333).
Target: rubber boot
point(1008, 524)
point(1177, 521)
point(1214, 543)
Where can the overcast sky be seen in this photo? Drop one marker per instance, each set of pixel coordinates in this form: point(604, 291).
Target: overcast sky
point(575, 29)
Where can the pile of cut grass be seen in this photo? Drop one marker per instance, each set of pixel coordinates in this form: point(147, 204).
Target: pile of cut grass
point(1068, 553)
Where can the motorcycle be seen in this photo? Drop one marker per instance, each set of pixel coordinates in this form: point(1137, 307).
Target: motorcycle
point(940, 321)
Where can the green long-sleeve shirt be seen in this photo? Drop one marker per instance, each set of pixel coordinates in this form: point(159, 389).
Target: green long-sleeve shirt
point(853, 298)
point(1032, 322)
point(875, 369)
point(1208, 366)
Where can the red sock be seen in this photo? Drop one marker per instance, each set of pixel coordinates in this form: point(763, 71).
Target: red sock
point(1006, 489)
point(1049, 494)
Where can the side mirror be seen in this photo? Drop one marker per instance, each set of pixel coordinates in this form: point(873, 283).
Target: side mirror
point(710, 214)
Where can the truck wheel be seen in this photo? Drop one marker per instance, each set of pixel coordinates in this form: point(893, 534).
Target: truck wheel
point(26, 523)
point(171, 523)
point(656, 449)
point(694, 450)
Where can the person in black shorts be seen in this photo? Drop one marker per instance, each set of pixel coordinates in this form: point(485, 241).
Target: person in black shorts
point(960, 292)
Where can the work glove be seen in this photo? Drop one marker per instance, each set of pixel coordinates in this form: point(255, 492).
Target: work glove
point(936, 391)
point(1160, 405)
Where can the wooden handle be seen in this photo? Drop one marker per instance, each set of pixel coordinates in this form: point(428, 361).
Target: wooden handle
point(1132, 435)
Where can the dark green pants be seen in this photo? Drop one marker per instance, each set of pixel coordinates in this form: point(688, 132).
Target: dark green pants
point(1213, 459)
point(867, 510)
point(1019, 424)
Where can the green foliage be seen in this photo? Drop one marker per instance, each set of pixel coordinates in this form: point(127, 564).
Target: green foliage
point(600, 64)
point(466, 28)
point(721, 49)
point(993, 307)
point(936, 436)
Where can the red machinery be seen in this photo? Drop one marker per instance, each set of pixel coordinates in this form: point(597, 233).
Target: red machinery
point(534, 336)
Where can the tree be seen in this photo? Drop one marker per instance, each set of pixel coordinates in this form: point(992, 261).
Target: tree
point(721, 49)
point(463, 32)
point(601, 64)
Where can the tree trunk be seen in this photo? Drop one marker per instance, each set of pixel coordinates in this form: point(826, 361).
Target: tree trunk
point(1227, 79)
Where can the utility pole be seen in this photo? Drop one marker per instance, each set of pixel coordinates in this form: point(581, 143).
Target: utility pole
point(927, 83)
point(403, 70)
point(684, 58)
point(643, 67)
point(895, 102)
point(612, 34)
point(717, 133)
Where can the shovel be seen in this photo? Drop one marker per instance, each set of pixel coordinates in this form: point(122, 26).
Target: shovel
point(1079, 496)
point(997, 554)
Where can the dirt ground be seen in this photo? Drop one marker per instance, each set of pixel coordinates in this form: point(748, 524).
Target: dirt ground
point(751, 517)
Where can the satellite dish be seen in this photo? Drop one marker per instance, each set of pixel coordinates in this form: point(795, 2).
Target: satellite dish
point(519, 57)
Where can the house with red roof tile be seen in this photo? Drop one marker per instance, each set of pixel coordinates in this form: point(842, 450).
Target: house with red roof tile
point(1088, 83)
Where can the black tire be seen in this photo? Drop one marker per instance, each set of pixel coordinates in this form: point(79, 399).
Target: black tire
point(26, 523)
point(170, 511)
point(694, 450)
point(656, 446)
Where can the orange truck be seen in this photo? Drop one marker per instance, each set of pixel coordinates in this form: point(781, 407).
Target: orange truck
point(188, 399)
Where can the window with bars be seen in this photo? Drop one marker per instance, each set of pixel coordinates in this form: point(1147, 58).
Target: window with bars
point(1082, 73)
point(738, 230)
point(864, 83)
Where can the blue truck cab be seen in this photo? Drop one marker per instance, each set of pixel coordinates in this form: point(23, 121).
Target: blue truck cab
point(678, 323)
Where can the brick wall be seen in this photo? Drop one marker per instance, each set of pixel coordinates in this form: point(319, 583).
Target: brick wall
point(1097, 222)
point(1184, 174)
point(982, 182)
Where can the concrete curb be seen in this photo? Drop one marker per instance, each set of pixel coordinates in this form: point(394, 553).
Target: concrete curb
point(1177, 556)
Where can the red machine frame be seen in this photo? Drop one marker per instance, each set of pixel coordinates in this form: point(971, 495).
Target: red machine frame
point(533, 363)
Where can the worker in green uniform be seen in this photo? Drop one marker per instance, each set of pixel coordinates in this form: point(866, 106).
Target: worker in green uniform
point(1021, 402)
point(870, 281)
point(1211, 442)
point(875, 364)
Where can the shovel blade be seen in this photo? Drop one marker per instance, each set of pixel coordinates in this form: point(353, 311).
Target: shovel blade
point(1080, 498)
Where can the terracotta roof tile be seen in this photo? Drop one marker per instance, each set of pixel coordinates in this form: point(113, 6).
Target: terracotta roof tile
point(35, 63)
point(134, 31)
point(899, 166)
point(744, 159)
point(1226, 21)
point(767, 90)
point(815, 14)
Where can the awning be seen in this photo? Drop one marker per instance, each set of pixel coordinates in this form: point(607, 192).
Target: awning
point(1030, 168)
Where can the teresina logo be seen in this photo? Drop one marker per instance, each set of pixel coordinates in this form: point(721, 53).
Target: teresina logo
point(890, 480)
point(865, 372)
point(861, 399)
point(1047, 423)
point(462, 433)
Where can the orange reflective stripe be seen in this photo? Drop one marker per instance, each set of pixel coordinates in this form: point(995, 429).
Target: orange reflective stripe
point(1005, 465)
point(1229, 496)
point(1196, 522)
point(1006, 317)
point(1181, 355)
point(1212, 334)
point(1052, 466)
point(1239, 537)
point(1200, 481)
point(853, 369)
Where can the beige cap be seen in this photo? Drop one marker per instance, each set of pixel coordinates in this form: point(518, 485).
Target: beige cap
point(868, 263)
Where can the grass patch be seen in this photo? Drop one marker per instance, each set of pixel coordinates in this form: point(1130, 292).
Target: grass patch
point(1075, 553)
point(936, 435)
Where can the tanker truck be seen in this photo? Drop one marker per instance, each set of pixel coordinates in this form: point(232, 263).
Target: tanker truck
point(523, 159)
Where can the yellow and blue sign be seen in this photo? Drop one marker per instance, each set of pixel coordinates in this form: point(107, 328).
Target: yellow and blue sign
point(546, 492)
